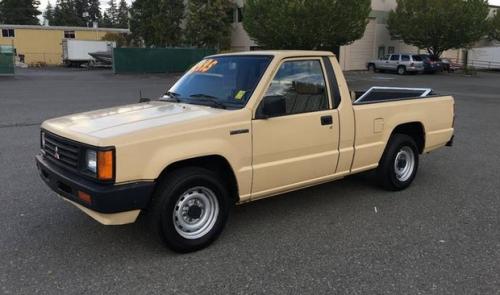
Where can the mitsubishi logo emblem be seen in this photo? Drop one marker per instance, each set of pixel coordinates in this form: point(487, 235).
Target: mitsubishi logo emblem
point(56, 153)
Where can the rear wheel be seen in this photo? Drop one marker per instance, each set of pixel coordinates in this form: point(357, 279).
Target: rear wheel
point(190, 209)
point(372, 68)
point(399, 164)
point(401, 70)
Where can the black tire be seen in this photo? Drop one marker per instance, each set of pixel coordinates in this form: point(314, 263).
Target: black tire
point(165, 202)
point(387, 175)
point(372, 68)
point(401, 70)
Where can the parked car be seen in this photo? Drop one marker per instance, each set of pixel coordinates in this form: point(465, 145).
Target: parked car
point(237, 128)
point(449, 65)
point(431, 64)
point(401, 63)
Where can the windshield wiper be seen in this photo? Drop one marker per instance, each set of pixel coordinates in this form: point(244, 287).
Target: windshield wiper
point(172, 97)
point(210, 98)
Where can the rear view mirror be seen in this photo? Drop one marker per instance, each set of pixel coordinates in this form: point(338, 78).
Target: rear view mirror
point(272, 106)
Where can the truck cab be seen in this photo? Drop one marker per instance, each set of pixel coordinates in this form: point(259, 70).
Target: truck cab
point(236, 128)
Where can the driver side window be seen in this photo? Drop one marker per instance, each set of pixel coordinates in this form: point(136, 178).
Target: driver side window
point(302, 85)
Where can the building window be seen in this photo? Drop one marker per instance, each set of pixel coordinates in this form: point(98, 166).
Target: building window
point(8, 33)
point(240, 14)
point(390, 50)
point(69, 34)
point(381, 52)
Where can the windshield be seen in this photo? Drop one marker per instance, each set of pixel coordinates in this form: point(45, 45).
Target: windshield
point(221, 82)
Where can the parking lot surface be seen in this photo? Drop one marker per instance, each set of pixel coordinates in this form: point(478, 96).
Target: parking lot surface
point(441, 236)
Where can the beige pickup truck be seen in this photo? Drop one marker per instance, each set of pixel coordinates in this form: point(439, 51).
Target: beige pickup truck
point(237, 128)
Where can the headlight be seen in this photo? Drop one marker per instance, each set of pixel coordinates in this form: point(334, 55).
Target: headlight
point(42, 140)
point(91, 161)
point(100, 163)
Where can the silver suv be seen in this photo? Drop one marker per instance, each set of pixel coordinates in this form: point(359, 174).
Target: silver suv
point(402, 63)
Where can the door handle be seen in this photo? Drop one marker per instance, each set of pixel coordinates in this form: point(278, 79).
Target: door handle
point(326, 120)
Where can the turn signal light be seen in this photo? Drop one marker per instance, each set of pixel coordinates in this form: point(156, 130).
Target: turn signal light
point(85, 197)
point(105, 165)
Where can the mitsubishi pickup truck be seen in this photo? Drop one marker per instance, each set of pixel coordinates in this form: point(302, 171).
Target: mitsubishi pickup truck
point(237, 128)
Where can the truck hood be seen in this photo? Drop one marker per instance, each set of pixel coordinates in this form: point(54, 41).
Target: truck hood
point(121, 120)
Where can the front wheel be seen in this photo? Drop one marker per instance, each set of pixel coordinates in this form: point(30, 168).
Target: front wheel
point(401, 70)
point(399, 164)
point(190, 209)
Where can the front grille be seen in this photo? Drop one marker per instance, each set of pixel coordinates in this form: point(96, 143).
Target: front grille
point(61, 150)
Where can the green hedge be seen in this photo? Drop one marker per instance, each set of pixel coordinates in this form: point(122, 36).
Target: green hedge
point(156, 60)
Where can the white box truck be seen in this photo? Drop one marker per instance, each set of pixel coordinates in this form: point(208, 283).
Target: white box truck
point(487, 58)
point(76, 52)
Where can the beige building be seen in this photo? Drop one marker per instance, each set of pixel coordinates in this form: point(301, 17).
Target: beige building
point(43, 44)
point(375, 43)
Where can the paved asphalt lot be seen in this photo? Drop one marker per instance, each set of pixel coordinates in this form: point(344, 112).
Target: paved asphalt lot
point(441, 236)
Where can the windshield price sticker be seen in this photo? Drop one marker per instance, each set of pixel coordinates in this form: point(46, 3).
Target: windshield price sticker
point(205, 65)
point(240, 95)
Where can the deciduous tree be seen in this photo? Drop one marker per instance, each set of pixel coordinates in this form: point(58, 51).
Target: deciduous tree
point(495, 26)
point(299, 24)
point(439, 25)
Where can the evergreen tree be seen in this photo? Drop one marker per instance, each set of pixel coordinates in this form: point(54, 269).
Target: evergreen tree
point(112, 13)
point(94, 10)
point(48, 15)
point(208, 24)
point(157, 22)
point(81, 9)
point(19, 12)
point(122, 15)
point(106, 21)
point(65, 14)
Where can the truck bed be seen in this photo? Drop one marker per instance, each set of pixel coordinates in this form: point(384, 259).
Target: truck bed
point(378, 118)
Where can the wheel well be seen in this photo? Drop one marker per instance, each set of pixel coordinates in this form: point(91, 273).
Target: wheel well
point(415, 130)
point(214, 163)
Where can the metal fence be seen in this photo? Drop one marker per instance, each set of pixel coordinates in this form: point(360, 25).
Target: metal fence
point(484, 64)
point(157, 60)
point(7, 60)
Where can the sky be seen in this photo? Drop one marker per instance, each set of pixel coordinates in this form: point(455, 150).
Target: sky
point(43, 3)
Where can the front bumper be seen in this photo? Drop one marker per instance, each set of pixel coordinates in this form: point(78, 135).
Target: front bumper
point(105, 198)
point(450, 143)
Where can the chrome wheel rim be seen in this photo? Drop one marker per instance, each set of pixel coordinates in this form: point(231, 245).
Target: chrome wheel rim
point(195, 212)
point(401, 71)
point(404, 164)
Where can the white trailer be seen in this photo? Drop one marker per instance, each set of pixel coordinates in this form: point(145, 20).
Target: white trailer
point(487, 58)
point(76, 52)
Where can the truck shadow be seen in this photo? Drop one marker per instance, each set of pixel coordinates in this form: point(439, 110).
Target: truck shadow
point(267, 217)
point(264, 221)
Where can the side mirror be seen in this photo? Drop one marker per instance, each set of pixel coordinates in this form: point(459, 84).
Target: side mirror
point(272, 106)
